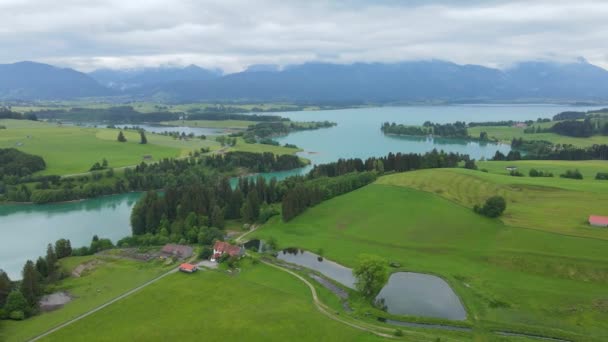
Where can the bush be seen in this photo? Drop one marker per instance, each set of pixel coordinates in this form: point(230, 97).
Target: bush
point(398, 332)
point(602, 176)
point(573, 174)
point(17, 315)
point(516, 173)
point(537, 173)
point(205, 253)
point(493, 207)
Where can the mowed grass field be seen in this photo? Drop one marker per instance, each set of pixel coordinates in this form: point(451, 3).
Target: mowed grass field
point(69, 149)
point(507, 133)
point(509, 278)
point(259, 304)
point(554, 204)
point(107, 280)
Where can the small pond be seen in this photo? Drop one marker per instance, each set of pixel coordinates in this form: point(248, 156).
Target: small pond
point(406, 293)
point(330, 269)
point(417, 294)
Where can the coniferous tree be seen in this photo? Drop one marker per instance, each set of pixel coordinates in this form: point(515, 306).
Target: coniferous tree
point(5, 287)
point(42, 267)
point(51, 261)
point(30, 284)
point(217, 217)
point(142, 136)
point(121, 137)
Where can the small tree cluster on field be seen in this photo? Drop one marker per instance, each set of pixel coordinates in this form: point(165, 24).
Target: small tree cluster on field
point(573, 174)
point(539, 173)
point(99, 166)
point(121, 137)
point(545, 150)
point(512, 155)
point(515, 173)
point(493, 207)
point(601, 176)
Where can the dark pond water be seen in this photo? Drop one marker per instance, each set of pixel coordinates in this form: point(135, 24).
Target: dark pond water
point(406, 293)
point(418, 294)
point(328, 268)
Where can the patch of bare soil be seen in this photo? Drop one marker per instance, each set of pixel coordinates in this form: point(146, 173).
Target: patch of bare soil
point(89, 265)
point(54, 301)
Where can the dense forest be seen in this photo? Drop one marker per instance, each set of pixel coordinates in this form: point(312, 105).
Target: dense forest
point(194, 210)
point(266, 130)
point(7, 113)
point(574, 115)
point(449, 130)
point(143, 177)
point(19, 164)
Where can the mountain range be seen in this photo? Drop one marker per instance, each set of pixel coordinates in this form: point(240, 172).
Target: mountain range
point(416, 81)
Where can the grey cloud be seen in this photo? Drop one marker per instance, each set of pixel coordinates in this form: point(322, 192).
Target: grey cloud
point(234, 34)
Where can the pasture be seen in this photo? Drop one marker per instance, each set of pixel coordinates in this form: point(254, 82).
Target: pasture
point(258, 304)
point(105, 281)
point(509, 278)
point(507, 133)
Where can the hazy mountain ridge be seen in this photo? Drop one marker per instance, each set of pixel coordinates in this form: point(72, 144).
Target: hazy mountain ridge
point(417, 81)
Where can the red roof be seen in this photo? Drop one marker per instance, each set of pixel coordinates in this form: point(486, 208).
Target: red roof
point(594, 219)
point(187, 267)
point(224, 247)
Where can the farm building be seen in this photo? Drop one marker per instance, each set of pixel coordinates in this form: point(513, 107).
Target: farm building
point(598, 221)
point(188, 268)
point(173, 250)
point(220, 248)
point(511, 168)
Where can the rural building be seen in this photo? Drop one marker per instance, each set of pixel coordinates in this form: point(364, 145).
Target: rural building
point(178, 251)
point(511, 168)
point(220, 248)
point(188, 268)
point(520, 125)
point(598, 221)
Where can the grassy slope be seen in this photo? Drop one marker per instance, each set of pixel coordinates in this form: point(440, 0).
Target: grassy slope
point(550, 204)
point(260, 304)
point(105, 282)
point(506, 134)
point(549, 282)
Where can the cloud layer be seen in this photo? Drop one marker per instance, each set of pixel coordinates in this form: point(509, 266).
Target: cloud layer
point(232, 34)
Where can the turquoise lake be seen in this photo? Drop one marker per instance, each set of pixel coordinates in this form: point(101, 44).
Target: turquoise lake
point(25, 230)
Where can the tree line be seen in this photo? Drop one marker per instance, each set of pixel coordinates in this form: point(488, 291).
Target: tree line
point(545, 150)
point(7, 113)
point(19, 164)
point(449, 130)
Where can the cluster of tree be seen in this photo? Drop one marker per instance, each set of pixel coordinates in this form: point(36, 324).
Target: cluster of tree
point(536, 130)
point(7, 113)
point(573, 174)
point(226, 141)
point(506, 122)
point(455, 130)
point(371, 275)
point(397, 162)
point(312, 192)
point(19, 300)
point(118, 114)
point(601, 176)
point(493, 207)
point(99, 166)
point(512, 155)
point(393, 128)
point(254, 162)
point(17, 163)
point(569, 115)
point(545, 150)
point(197, 211)
point(265, 130)
point(574, 128)
point(539, 173)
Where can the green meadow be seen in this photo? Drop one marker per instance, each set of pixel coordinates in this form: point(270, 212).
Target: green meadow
point(258, 304)
point(72, 150)
point(226, 124)
point(105, 281)
point(509, 278)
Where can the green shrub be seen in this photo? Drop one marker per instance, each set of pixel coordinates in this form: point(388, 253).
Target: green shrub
point(493, 207)
point(398, 332)
point(602, 176)
point(17, 315)
point(573, 174)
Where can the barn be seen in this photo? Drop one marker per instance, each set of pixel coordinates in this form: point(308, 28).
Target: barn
point(598, 221)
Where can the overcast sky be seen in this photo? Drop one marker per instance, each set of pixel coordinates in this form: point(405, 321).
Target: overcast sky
point(90, 34)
